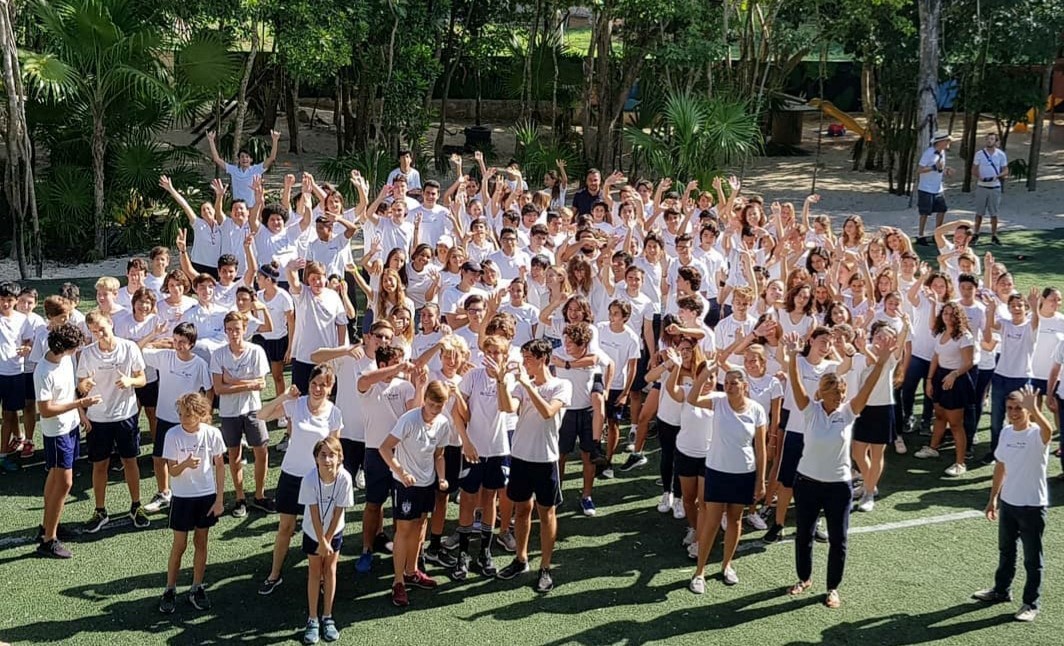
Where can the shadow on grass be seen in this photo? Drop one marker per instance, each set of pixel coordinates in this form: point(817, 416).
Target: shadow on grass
point(902, 629)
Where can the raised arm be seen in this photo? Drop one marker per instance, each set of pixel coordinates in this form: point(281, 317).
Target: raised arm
point(213, 146)
point(883, 349)
point(801, 399)
point(274, 138)
point(177, 197)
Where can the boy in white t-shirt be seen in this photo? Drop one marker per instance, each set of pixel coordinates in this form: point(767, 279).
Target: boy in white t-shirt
point(622, 346)
point(61, 410)
point(194, 457)
point(15, 343)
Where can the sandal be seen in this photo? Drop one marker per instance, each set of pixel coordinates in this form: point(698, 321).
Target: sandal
point(832, 600)
point(799, 588)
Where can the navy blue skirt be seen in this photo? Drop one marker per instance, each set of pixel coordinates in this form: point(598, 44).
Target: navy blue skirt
point(729, 488)
point(961, 395)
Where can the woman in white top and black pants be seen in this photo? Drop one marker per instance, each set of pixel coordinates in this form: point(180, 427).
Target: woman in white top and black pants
point(1019, 499)
point(824, 481)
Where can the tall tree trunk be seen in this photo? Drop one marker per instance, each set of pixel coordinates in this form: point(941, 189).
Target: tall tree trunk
point(338, 126)
point(242, 95)
point(1036, 132)
point(291, 109)
point(99, 143)
point(270, 100)
point(927, 121)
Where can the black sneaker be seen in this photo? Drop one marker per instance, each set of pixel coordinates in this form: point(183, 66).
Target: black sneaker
point(486, 564)
point(168, 602)
point(774, 534)
point(995, 240)
point(269, 585)
point(975, 239)
point(381, 544)
point(198, 598)
point(265, 505)
point(240, 509)
point(139, 517)
point(634, 461)
point(53, 550)
point(439, 557)
point(545, 583)
point(460, 571)
point(988, 459)
point(598, 458)
point(97, 522)
point(63, 533)
point(515, 568)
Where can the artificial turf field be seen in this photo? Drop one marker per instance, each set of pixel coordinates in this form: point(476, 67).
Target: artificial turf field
point(620, 577)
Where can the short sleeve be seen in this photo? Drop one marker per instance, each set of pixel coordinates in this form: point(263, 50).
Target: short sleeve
point(170, 446)
point(43, 387)
point(152, 357)
point(232, 169)
point(216, 362)
point(466, 387)
point(308, 494)
point(336, 420)
point(204, 375)
point(760, 418)
point(565, 393)
point(290, 407)
point(346, 497)
point(217, 444)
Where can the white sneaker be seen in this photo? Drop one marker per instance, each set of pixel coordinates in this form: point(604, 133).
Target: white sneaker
point(859, 492)
point(282, 423)
point(926, 452)
point(678, 512)
point(1026, 613)
point(360, 479)
point(868, 503)
point(692, 551)
point(899, 446)
point(756, 522)
point(159, 502)
point(689, 537)
point(724, 522)
point(665, 504)
point(697, 585)
point(956, 470)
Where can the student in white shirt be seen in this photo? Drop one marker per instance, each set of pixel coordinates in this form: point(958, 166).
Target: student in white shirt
point(1014, 370)
point(241, 173)
point(61, 410)
point(206, 228)
point(407, 170)
point(16, 338)
point(326, 494)
point(414, 453)
point(26, 303)
point(823, 484)
point(312, 418)
point(194, 457)
point(622, 346)
point(111, 368)
point(1019, 500)
point(277, 343)
point(321, 319)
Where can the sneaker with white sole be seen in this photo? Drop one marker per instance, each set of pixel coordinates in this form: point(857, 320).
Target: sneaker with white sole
point(159, 502)
point(755, 522)
point(282, 423)
point(507, 540)
point(1026, 613)
point(729, 576)
point(634, 461)
point(926, 452)
point(859, 492)
point(665, 504)
point(692, 551)
point(588, 506)
point(867, 503)
point(697, 585)
point(990, 595)
point(899, 446)
point(360, 480)
point(678, 512)
point(690, 536)
point(955, 470)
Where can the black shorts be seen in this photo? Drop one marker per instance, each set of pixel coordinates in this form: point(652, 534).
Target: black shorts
point(12, 397)
point(287, 496)
point(354, 455)
point(686, 466)
point(928, 203)
point(487, 473)
point(875, 425)
point(576, 424)
point(379, 481)
point(452, 467)
point(729, 488)
point(148, 394)
point(642, 366)
point(301, 375)
point(162, 426)
point(412, 503)
point(962, 393)
point(188, 514)
point(206, 269)
point(310, 546)
point(615, 411)
point(793, 445)
point(29, 391)
point(275, 348)
point(107, 437)
point(539, 479)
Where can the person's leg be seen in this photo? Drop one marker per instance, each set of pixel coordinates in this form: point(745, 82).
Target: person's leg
point(236, 470)
point(372, 522)
point(649, 412)
point(285, 526)
point(1008, 534)
point(709, 524)
point(588, 473)
point(915, 373)
point(689, 494)
point(877, 459)
point(612, 438)
point(837, 502)
point(329, 573)
point(131, 471)
point(314, 571)
point(9, 428)
point(262, 461)
point(783, 500)
point(807, 504)
point(1032, 527)
point(923, 225)
point(635, 400)
point(548, 532)
point(667, 439)
point(940, 219)
point(56, 488)
point(277, 373)
point(173, 564)
point(99, 482)
point(960, 437)
point(732, 534)
point(523, 528)
point(405, 534)
point(199, 556)
point(998, 392)
point(939, 429)
point(862, 458)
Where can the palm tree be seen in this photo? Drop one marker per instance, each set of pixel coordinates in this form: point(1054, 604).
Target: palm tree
point(97, 53)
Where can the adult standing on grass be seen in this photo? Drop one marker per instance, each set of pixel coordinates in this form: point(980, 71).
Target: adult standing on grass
point(406, 169)
point(991, 166)
point(111, 368)
point(56, 392)
point(824, 480)
point(243, 172)
point(930, 191)
point(1019, 500)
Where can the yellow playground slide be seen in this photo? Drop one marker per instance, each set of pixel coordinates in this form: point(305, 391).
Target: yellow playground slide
point(846, 120)
point(1051, 103)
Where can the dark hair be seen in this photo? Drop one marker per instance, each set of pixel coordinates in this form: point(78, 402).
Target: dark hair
point(691, 275)
point(136, 263)
point(142, 294)
point(227, 260)
point(817, 332)
point(789, 300)
point(31, 291)
point(624, 306)
point(9, 290)
point(538, 348)
point(968, 278)
point(683, 237)
point(70, 291)
point(507, 231)
point(541, 260)
point(539, 229)
point(387, 355)
point(64, 338)
point(271, 270)
point(431, 184)
point(624, 257)
point(691, 303)
point(157, 251)
point(273, 209)
point(710, 226)
point(187, 330)
point(324, 370)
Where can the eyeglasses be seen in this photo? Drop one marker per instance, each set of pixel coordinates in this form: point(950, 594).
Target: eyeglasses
point(475, 310)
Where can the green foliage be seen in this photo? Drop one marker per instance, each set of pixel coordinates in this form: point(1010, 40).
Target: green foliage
point(696, 137)
point(374, 164)
point(537, 154)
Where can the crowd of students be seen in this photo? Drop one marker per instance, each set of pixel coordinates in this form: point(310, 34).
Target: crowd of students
point(774, 354)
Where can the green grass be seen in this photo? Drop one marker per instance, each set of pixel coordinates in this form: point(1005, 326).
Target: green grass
point(621, 576)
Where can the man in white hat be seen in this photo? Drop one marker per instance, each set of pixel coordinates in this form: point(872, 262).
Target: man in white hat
point(930, 192)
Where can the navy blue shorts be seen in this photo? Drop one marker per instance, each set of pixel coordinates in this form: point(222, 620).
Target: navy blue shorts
point(452, 467)
point(928, 203)
point(875, 425)
point(30, 391)
point(287, 496)
point(12, 395)
point(161, 427)
point(486, 472)
point(148, 394)
point(412, 503)
point(188, 514)
point(793, 445)
point(275, 348)
point(686, 466)
point(310, 546)
point(107, 437)
point(301, 375)
point(379, 481)
point(539, 479)
point(577, 424)
point(729, 488)
point(354, 455)
point(615, 411)
point(61, 451)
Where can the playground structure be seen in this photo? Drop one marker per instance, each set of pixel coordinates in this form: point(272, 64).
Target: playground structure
point(1051, 103)
point(851, 124)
